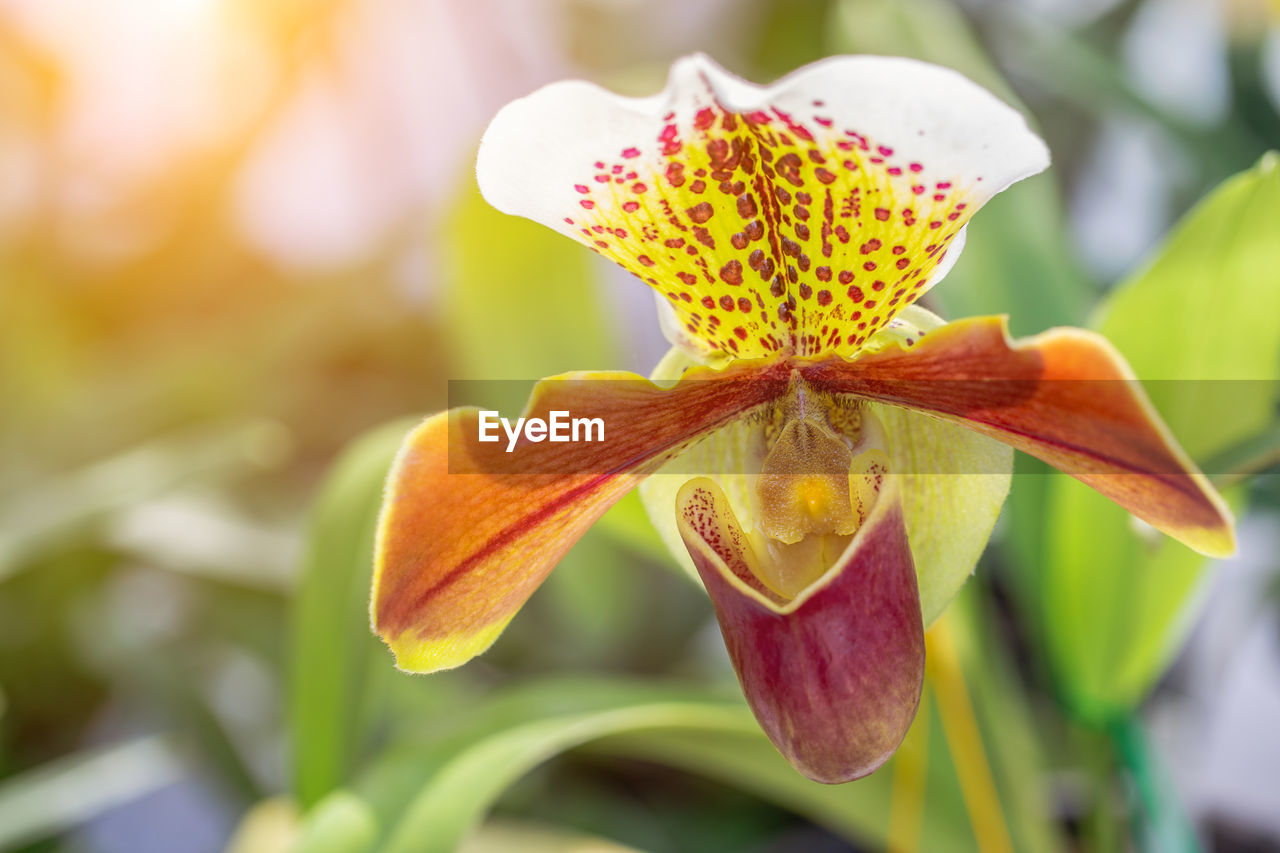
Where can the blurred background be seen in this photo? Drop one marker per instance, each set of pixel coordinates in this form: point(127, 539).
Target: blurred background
point(241, 250)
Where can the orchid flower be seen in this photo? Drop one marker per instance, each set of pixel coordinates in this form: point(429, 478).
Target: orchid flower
point(826, 456)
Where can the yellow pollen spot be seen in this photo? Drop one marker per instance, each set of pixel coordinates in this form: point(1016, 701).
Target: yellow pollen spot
point(818, 482)
point(804, 484)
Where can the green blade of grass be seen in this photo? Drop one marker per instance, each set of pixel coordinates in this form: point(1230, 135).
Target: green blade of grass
point(331, 639)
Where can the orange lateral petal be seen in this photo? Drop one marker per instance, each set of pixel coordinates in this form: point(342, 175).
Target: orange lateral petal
point(468, 530)
point(1065, 396)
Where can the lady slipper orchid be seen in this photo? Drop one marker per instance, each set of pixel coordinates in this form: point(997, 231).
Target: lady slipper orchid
point(826, 456)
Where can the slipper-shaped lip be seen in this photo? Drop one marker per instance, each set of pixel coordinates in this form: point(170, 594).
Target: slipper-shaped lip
point(834, 675)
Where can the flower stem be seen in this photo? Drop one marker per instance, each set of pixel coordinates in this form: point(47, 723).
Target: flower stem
point(964, 740)
point(910, 776)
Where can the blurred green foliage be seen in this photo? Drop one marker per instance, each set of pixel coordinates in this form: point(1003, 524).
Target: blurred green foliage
point(194, 438)
point(1117, 600)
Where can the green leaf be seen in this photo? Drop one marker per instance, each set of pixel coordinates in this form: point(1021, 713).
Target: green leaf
point(1016, 261)
point(340, 823)
point(167, 688)
point(1116, 601)
point(782, 39)
point(590, 597)
point(506, 836)
point(522, 301)
point(469, 761)
point(1208, 309)
point(933, 30)
point(1116, 596)
point(332, 642)
point(47, 514)
point(64, 793)
point(857, 811)
point(627, 523)
point(456, 798)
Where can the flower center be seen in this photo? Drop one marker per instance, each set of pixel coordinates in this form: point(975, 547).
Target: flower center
point(818, 483)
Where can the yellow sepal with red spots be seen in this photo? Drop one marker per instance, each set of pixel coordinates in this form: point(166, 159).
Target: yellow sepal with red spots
point(792, 219)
